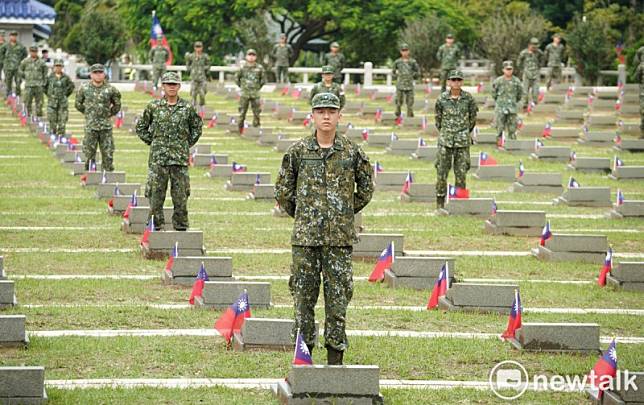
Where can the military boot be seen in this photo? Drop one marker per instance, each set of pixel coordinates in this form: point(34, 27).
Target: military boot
point(334, 357)
point(440, 202)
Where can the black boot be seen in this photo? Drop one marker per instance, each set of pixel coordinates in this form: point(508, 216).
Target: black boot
point(440, 202)
point(334, 357)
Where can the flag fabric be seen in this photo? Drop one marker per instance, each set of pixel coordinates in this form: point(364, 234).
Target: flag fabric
point(541, 96)
point(365, 134)
point(175, 253)
point(118, 119)
point(618, 139)
point(545, 234)
point(537, 144)
point(307, 120)
point(617, 162)
point(148, 230)
point(394, 137)
point(258, 179)
point(191, 158)
point(213, 161)
point(479, 87)
point(285, 90)
point(378, 168)
point(238, 168)
point(521, 168)
point(23, 118)
point(421, 142)
point(606, 268)
point(156, 32)
point(573, 156)
point(514, 320)
point(571, 91)
point(618, 105)
point(358, 89)
point(232, 320)
point(116, 192)
point(440, 287)
point(133, 203)
point(378, 115)
point(423, 123)
point(605, 369)
point(494, 207)
point(572, 183)
point(486, 160)
point(547, 130)
point(531, 106)
point(455, 192)
point(384, 263)
point(302, 355)
point(620, 197)
point(104, 178)
point(407, 184)
point(213, 121)
point(197, 287)
point(500, 142)
point(399, 120)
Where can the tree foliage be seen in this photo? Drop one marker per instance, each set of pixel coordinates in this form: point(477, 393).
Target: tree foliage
point(68, 14)
point(590, 43)
point(425, 34)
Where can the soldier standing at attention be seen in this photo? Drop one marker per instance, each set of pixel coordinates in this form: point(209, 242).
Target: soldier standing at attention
point(282, 54)
point(507, 93)
point(99, 101)
point(14, 53)
point(158, 56)
point(554, 57)
point(324, 180)
point(405, 71)
point(170, 126)
point(34, 71)
point(198, 64)
point(336, 59)
point(639, 76)
point(327, 85)
point(529, 63)
point(250, 79)
point(455, 119)
point(448, 54)
point(58, 88)
point(2, 42)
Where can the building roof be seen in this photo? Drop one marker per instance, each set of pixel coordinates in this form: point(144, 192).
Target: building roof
point(26, 12)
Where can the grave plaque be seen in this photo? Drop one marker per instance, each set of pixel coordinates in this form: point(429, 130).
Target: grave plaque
point(497, 172)
point(474, 297)
point(221, 294)
point(538, 183)
point(121, 202)
point(95, 178)
point(402, 146)
point(590, 164)
point(518, 223)
point(245, 181)
point(585, 197)
point(106, 190)
point(160, 244)
point(7, 294)
point(185, 268)
point(12, 331)
point(471, 206)
point(138, 219)
point(552, 153)
point(22, 385)
point(267, 334)
point(573, 247)
point(557, 337)
point(425, 153)
point(372, 244)
point(627, 173)
point(390, 181)
point(627, 276)
point(205, 160)
point(419, 193)
point(630, 208)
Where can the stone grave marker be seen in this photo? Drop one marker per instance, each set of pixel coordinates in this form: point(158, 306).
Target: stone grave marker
point(468, 206)
point(201, 149)
point(390, 181)
point(417, 272)
point(245, 181)
point(496, 172)
point(283, 144)
point(121, 202)
point(557, 337)
point(95, 178)
point(631, 145)
point(220, 170)
point(160, 244)
point(565, 133)
point(630, 208)
point(24, 385)
point(372, 244)
point(585, 197)
point(573, 247)
point(419, 193)
point(484, 117)
point(623, 396)
point(78, 168)
point(597, 138)
point(628, 276)
point(266, 334)
point(570, 116)
point(627, 173)
point(12, 331)
point(138, 219)
point(256, 132)
point(7, 294)
point(358, 134)
point(3, 276)
point(516, 223)
point(220, 294)
point(269, 139)
point(205, 160)
point(486, 138)
point(402, 146)
point(552, 153)
point(538, 183)
point(106, 190)
point(185, 268)
point(262, 192)
point(519, 146)
point(590, 164)
point(474, 297)
point(425, 153)
point(379, 140)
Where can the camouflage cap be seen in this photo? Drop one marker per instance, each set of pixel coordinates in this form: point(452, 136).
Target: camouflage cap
point(170, 78)
point(33, 48)
point(328, 69)
point(335, 45)
point(198, 44)
point(507, 64)
point(59, 62)
point(13, 33)
point(2, 32)
point(556, 35)
point(534, 41)
point(97, 67)
point(251, 51)
point(450, 36)
point(455, 74)
point(325, 100)
point(404, 46)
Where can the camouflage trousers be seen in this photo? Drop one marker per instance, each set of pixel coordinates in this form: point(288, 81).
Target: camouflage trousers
point(641, 114)
point(157, 72)
point(443, 78)
point(244, 101)
point(530, 90)
point(334, 263)
point(407, 97)
point(507, 122)
point(92, 140)
point(57, 116)
point(11, 78)
point(156, 187)
point(34, 95)
point(198, 89)
point(282, 74)
point(444, 158)
point(554, 75)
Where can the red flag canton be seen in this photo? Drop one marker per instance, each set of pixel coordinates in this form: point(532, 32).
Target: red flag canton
point(455, 192)
point(486, 160)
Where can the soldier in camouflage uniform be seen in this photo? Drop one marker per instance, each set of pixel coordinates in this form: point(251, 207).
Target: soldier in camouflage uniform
point(58, 88)
point(336, 59)
point(198, 64)
point(34, 71)
point(639, 76)
point(639, 56)
point(507, 92)
point(324, 180)
point(327, 85)
point(405, 71)
point(99, 101)
point(554, 57)
point(171, 126)
point(455, 119)
point(282, 54)
point(2, 42)
point(448, 54)
point(14, 53)
point(529, 63)
point(158, 56)
point(250, 79)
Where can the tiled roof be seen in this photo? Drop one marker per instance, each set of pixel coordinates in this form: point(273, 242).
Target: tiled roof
point(25, 9)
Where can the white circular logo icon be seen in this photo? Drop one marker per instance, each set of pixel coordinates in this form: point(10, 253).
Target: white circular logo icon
point(507, 376)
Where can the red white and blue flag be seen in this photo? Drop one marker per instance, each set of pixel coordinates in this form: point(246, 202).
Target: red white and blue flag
point(617, 162)
point(455, 192)
point(173, 255)
point(213, 161)
point(133, 203)
point(104, 178)
point(500, 143)
point(521, 168)
point(148, 230)
point(232, 320)
point(258, 179)
point(238, 168)
point(407, 184)
point(479, 87)
point(378, 168)
point(394, 137)
point(213, 121)
point(602, 374)
point(156, 32)
point(514, 320)
point(302, 355)
point(365, 134)
point(606, 268)
point(378, 115)
point(384, 262)
point(547, 130)
point(572, 183)
point(618, 139)
point(573, 156)
point(197, 287)
point(545, 234)
point(440, 287)
point(538, 144)
point(486, 160)
point(421, 142)
point(116, 192)
point(620, 197)
point(494, 207)
point(118, 119)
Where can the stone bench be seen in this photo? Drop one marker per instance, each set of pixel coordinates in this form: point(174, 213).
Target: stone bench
point(557, 337)
point(475, 297)
point(267, 334)
point(372, 244)
point(417, 272)
point(390, 181)
point(185, 268)
point(419, 193)
point(7, 294)
point(160, 244)
point(95, 178)
point(106, 190)
point(538, 183)
point(138, 219)
point(262, 192)
point(221, 294)
point(585, 197)
point(22, 385)
point(12, 331)
point(425, 153)
point(497, 172)
point(471, 206)
point(629, 209)
point(627, 173)
point(573, 247)
point(590, 164)
point(552, 153)
point(402, 146)
point(517, 223)
point(205, 160)
point(628, 276)
point(246, 181)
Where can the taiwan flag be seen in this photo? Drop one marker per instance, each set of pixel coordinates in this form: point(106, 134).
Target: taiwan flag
point(620, 197)
point(514, 321)
point(407, 185)
point(521, 168)
point(213, 161)
point(455, 192)
point(573, 156)
point(606, 268)
point(197, 287)
point(547, 130)
point(500, 143)
point(572, 183)
point(494, 207)
point(399, 120)
point(213, 121)
point(378, 168)
point(238, 168)
point(378, 115)
point(545, 234)
point(302, 355)
point(486, 160)
point(617, 162)
point(537, 145)
point(365, 134)
point(440, 287)
point(384, 262)
point(133, 203)
point(604, 371)
point(479, 87)
point(116, 192)
point(421, 142)
point(148, 230)
point(156, 32)
point(173, 255)
point(618, 139)
point(232, 320)
point(118, 119)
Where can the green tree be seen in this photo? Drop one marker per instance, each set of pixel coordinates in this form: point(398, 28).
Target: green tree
point(423, 34)
point(100, 36)
point(68, 14)
point(590, 43)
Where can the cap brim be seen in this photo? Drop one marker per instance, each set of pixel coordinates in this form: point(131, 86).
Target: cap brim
point(336, 107)
point(171, 82)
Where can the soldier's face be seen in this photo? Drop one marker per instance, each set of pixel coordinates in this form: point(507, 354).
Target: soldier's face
point(58, 69)
point(282, 40)
point(13, 38)
point(327, 77)
point(198, 49)
point(456, 83)
point(507, 72)
point(171, 89)
point(97, 77)
point(326, 119)
point(556, 40)
point(449, 41)
point(334, 49)
point(404, 53)
point(251, 58)
point(33, 54)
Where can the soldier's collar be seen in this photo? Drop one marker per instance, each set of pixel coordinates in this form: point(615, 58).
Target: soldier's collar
point(312, 143)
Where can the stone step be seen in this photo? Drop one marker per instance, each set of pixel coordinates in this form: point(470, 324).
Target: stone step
point(221, 294)
point(498, 172)
point(558, 337)
point(372, 244)
point(267, 333)
point(12, 331)
point(595, 121)
point(479, 297)
point(106, 190)
point(22, 385)
point(246, 181)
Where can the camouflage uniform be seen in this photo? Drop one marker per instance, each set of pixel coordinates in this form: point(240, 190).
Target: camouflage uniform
point(639, 76)
point(507, 95)
point(250, 79)
point(13, 55)
point(34, 72)
point(158, 56)
point(338, 61)
point(282, 55)
point(170, 130)
point(198, 66)
point(455, 120)
point(554, 57)
point(99, 105)
point(405, 71)
point(323, 189)
point(529, 63)
point(448, 56)
point(639, 56)
point(335, 88)
point(2, 42)
point(58, 90)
